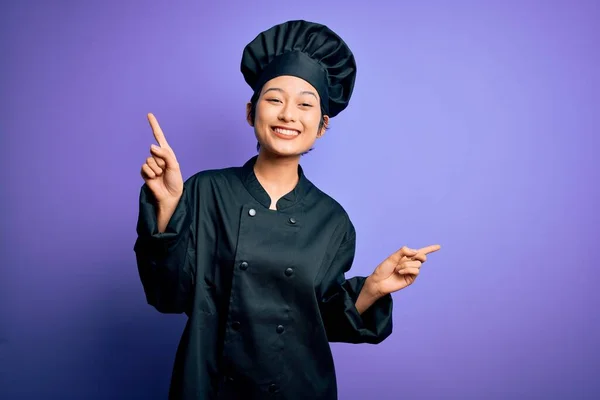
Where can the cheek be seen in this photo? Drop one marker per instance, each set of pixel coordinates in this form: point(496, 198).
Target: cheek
point(312, 120)
point(265, 115)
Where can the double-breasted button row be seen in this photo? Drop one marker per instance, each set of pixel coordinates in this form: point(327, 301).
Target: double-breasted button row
point(288, 271)
point(252, 213)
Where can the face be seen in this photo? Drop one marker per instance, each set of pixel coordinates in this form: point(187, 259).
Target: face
point(288, 114)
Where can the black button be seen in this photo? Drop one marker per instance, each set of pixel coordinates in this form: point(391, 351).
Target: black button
point(280, 329)
point(292, 220)
point(289, 272)
point(236, 325)
point(244, 265)
point(272, 388)
point(252, 212)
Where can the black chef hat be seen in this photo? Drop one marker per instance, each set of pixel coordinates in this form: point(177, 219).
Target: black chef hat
point(306, 50)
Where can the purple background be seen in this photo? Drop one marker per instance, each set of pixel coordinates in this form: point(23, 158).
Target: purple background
point(474, 125)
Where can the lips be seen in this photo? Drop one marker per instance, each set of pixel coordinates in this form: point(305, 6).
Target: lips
point(285, 133)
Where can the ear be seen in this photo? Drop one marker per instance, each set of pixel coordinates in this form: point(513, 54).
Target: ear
point(248, 117)
point(324, 128)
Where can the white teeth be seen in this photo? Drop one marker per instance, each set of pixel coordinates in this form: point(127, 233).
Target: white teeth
point(286, 132)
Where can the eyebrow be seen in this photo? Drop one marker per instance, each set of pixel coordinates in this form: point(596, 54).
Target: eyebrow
point(282, 91)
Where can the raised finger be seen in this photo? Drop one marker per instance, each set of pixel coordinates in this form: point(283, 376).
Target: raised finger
point(429, 249)
point(147, 172)
point(158, 133)
point(151, 162)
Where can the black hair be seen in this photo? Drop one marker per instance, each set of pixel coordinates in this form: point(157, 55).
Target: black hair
point(252, 116)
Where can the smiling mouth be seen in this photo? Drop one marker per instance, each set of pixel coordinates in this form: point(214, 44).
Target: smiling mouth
point(285, 132)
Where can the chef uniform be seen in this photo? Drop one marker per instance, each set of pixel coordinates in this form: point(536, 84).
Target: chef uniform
point(264, 290)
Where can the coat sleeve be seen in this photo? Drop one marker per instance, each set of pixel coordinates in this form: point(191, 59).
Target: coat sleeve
point(166, 261)
point(342, 320)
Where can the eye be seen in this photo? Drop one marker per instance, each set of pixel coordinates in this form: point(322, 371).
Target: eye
point(306, 105)
point(274, 100)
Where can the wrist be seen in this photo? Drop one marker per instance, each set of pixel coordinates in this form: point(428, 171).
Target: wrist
point(169, 205)
point(371, 289)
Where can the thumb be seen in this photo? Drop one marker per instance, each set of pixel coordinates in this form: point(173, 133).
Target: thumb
point(166, 155)
point(407, 252)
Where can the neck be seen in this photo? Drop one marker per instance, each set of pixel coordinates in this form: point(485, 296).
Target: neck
point(277, 174)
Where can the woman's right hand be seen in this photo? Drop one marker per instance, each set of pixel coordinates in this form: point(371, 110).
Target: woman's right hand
point(161, 171)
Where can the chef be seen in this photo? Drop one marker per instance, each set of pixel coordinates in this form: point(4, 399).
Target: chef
point(256, 255)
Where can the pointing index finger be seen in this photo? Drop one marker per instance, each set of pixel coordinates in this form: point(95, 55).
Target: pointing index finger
point(158, 133)
point(429, 249)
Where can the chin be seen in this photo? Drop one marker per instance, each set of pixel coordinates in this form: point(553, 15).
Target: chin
point(283, 151)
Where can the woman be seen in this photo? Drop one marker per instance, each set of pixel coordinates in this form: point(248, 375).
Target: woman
point(256, 255)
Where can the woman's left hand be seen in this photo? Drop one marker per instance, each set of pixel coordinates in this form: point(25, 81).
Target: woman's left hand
point(399, 270)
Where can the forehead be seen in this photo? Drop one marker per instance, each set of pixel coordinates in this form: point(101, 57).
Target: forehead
point(290, 84)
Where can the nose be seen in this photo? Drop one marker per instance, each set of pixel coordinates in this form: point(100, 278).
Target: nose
point(287, 113)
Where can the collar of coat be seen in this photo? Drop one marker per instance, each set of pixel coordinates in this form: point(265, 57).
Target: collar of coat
point(259, 193)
